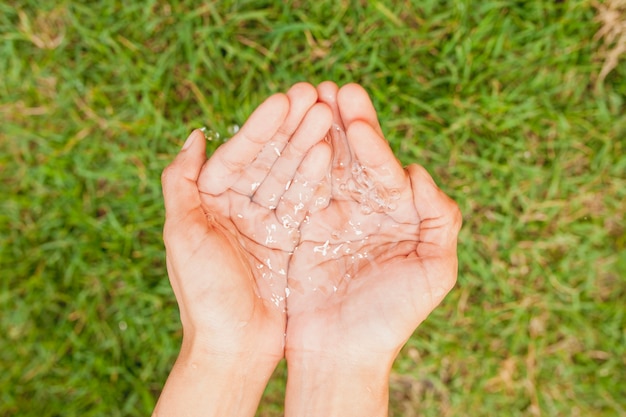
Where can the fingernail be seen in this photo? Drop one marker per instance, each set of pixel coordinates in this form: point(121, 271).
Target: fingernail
point(189, 140)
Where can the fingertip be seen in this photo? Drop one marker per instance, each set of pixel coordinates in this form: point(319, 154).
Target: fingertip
point(190, 139)
point(279, 103)
point(351, 88)
point(316, 164)
point(327, 94)
point(354, 104)
point(303, 91)
point(189, 161)
point(190, 158)
point(179, 178)
point(327, 91)
point(269, 115)
point(323, 114)
point(196, 140)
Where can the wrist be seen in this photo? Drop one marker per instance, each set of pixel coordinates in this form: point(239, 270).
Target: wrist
point(320, 385)
point(204, 382)
point(229, 354)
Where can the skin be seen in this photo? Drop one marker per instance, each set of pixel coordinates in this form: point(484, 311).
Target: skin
point(265, 239)
point(231, 309)
point(354, 305)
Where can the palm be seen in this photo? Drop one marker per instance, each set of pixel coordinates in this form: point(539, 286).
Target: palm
point(256, 187)
point(255, 234)
point(374, 263)
point(350, 258)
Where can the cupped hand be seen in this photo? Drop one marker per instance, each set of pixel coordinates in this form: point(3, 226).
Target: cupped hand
point(374, 262)
point(231, 224)
point(228, 245)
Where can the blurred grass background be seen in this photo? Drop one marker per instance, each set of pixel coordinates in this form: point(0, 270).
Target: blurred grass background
point(516, 107)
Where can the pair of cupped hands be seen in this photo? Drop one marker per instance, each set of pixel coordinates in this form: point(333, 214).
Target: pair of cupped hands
point(302, 237)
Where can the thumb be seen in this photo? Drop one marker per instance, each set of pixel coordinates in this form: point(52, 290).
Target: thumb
point(440, 217)
point(178, 180)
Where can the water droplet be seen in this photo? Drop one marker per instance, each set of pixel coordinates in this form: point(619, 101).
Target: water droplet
point(269, 238)
point(210, 134)
point(321, 202)
point(361, 186)
point(323, 249)
point(233, 129)
point(288, 222)
point(276, 299)
point(298, 207)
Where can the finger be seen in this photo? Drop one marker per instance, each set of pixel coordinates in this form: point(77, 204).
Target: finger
point(440, 217)
point(308, 191)
point(180, 190)
point(342, 155)
point(302, 97)
point(355, 104)
point(185, 219)
point(327, 93)
point(312, 130)
point(227, 162)
point(182, 202)
point(375, 159)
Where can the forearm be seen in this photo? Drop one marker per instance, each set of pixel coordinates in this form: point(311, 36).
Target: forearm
point(333, 387)
point(202, 383)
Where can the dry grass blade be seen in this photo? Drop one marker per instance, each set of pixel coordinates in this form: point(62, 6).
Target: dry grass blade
point(611, 14)
point(46, 31)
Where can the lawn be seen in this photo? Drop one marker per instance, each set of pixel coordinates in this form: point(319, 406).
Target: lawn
point(517, 108)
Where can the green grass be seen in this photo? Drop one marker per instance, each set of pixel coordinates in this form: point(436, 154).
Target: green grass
point(497, 99)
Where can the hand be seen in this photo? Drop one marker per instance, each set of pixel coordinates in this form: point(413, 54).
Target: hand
point(226, 255)
point(258, 187)
point(371, 265)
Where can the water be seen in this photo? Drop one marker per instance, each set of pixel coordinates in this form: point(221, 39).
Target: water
point(348, 181)
point(358, 183)
point(213, 135)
